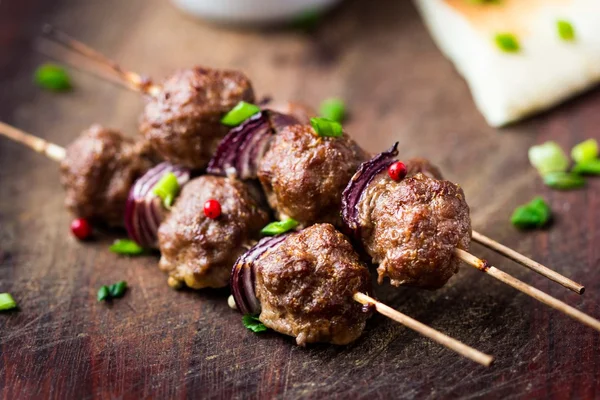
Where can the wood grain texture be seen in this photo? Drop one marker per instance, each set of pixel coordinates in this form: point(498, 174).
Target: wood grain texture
point(157, 343)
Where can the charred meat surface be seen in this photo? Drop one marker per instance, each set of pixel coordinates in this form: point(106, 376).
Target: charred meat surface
point(199, 251)
point(183, 122)
point(410, 229)
point(99, 169)
point(304, 175)
point(305, 287)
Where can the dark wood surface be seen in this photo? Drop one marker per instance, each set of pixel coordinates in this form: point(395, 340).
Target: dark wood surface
point(158, 343)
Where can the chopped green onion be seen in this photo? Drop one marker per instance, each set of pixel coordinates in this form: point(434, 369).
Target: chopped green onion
point(126, 247)
point(326, 127)
point(252, 323)
point(308, 20)
point(238, 114)
point(7, 302)
point(535, 214)
point(585, 151)
point(563, 180)
point(591, 167)
point(52, 77)
point(565, 30)
point(103, 293)
point(507, 42)
point(167, 188)
point(333, 109)
point(548, 157)
point(118, 289)
point(279, 227)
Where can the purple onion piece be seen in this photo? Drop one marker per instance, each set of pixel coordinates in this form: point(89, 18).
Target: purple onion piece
point(144, 211)
point(242, 278)
point(359, 182)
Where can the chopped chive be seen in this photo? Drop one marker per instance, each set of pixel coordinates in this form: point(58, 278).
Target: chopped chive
point(585, 151)
point(103, 293)
point(279, 227)
point(7, 302)
point(126, 247)
point(563, 180)
point(238, 114)
point(167, 188)
point(333, 109)
point(52, 77)
point(548, 157)
point(535, 214)
point(565, 30)
point(327, 128)
point(252, 323)
point(591, 167)
point(507, 42)
point(118, 289)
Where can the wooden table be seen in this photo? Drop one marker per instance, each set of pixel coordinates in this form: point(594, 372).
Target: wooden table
point(158, 343)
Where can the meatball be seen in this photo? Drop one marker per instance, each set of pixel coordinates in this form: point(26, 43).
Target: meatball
point(305, 287)
point(99, 169)
point(304, 174)
point(198, 251)
point(183, 122)
point(410, 229)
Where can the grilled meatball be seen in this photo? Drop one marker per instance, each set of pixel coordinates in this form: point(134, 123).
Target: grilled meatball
point(183, 122)
point(99, 169)
point(410, 228)
point(305, 287)
point(198, 251)
point(304, 174)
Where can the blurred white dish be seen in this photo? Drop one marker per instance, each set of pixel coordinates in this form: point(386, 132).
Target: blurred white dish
point(252, 11)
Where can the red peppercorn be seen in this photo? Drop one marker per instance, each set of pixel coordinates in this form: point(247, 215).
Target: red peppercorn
point(81, 228)
point(397, 171)
point(212, 209)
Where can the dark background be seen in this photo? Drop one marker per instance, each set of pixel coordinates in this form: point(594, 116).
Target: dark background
point(159, 343)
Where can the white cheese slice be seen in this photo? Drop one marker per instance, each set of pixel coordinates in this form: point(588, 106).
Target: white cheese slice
point(547, 70)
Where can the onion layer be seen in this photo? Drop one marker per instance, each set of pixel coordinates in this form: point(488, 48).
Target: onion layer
point(359, 182)
point(145, 211)
point(242, 278)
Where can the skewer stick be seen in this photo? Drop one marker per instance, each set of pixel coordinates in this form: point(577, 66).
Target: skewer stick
point(537, 294)
point(528, 262)
point(453, 344)
point(134, 80)
point(50, 150)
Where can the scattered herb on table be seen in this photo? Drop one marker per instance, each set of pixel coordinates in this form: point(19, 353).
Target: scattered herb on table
point(126, 247)
point(591, 167)
point(52, 77)
point(535, 214)
point(565, 30)
point(279, 227)
point(585, 151)
point(238, 114)
point(507, 42)
point(113, 291)
point(251, 322)
point(564, 180)
point(548, 157)
point(327, 128)
point(167, 188)
point(7, 302)
point(333, 109)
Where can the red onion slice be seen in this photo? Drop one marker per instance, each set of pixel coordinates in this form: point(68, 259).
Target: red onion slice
point(145, 211)
point(359, 182)
point(242, 278)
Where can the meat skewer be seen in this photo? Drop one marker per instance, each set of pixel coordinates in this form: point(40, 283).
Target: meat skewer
point(311, 285)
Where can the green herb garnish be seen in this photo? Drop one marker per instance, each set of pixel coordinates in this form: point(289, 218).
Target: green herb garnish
point(279, 227)
point(585, 151)
point(565, 30)
point(563, 180)
point(548, 157)
point(591, 167)
point(126, 247)
point(113, 291)
point(333, 109)
point(535, 214)
point(307, 21)
point(326, 127)
point(52, 77)
point(167, 188)
point(252, 323)
point(238, 114)
point(7, 302)
point(507, 42)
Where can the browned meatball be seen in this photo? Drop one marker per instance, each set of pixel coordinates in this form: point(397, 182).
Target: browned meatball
point(183, 122)
point(304, 174)
point(198, 251)
point(424, 166)
point(99, 169)
point(410, 228)
point(305, 287)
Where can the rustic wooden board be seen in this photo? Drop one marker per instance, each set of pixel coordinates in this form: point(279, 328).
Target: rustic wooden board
point(157, 343)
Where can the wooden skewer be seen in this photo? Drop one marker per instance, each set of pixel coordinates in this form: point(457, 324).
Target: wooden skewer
point(50, 150)
point(528, 262)
point(537, 294)
point(135, 81)
point(453, 344)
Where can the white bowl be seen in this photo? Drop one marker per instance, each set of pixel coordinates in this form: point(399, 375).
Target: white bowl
point(251, 11)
